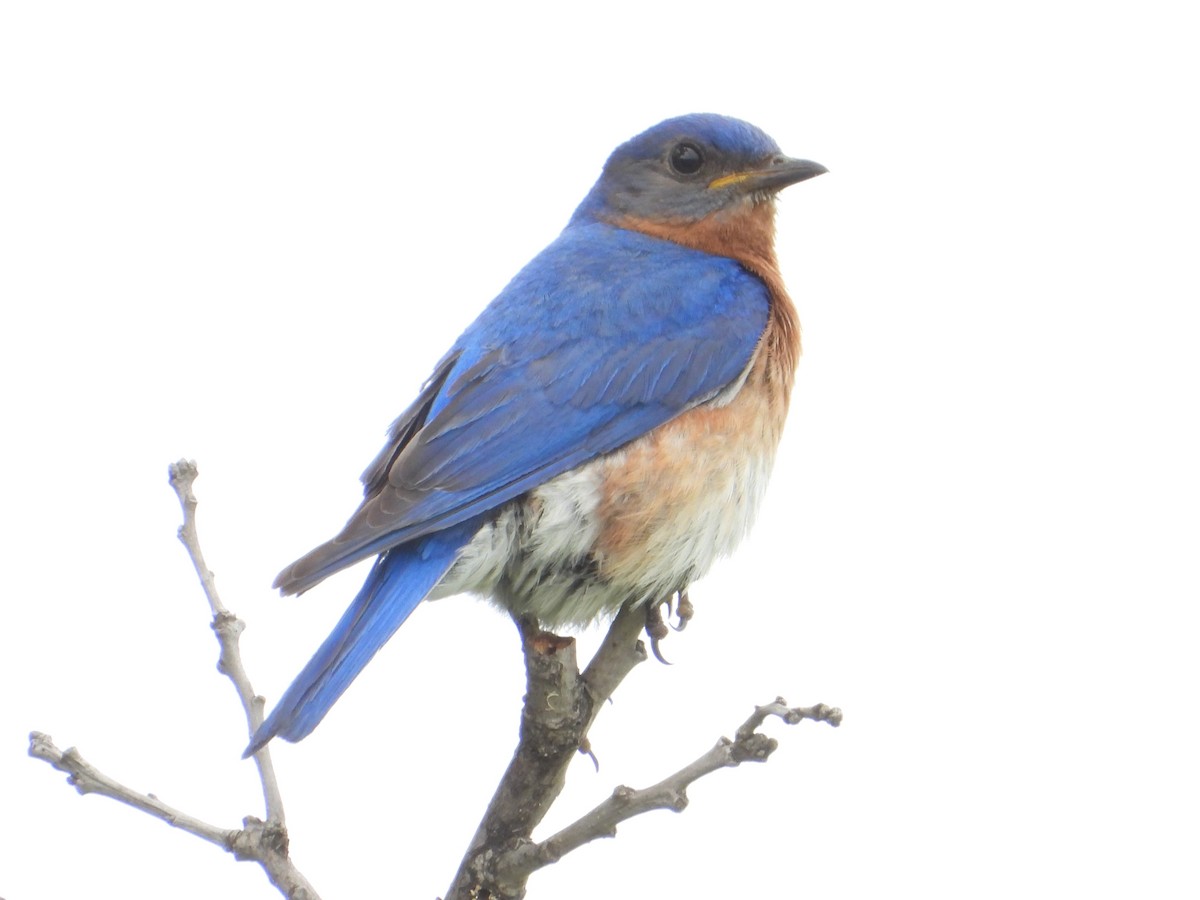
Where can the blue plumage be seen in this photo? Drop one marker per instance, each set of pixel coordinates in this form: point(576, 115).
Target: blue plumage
point(617, 328)
point(399, 580)
point(594, 343)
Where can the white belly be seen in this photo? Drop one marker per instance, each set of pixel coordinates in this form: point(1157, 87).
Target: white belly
point(636, 525)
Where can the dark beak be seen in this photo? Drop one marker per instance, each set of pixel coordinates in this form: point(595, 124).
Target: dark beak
point(775, 176)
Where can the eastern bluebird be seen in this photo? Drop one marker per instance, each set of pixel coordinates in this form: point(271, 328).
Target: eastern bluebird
point(603, 431)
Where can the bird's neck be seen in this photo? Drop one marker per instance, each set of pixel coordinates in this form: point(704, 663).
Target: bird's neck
point(746, 234)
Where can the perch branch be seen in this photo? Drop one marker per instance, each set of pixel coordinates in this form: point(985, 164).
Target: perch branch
point(560, 706)
point(670, 793)
point(615, 659)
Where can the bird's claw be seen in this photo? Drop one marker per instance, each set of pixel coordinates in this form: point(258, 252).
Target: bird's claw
point(585, 747)
point(684, 611)
point(656, 626)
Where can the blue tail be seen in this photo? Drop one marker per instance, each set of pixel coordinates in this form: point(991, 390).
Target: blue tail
point(400, 579)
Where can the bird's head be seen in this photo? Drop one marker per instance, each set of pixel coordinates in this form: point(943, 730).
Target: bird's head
point(689, 169)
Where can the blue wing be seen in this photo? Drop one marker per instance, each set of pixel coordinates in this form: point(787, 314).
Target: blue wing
point(602, 337)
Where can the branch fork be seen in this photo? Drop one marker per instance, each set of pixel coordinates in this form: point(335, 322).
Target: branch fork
point(560, 706)
point(263, 842)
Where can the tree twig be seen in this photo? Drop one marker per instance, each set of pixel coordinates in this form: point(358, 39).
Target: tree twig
point(87, 779)
point(228, 628)
point(670, 793)
point(263, 842)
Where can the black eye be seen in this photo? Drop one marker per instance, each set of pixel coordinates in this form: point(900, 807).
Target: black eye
point(686, 159)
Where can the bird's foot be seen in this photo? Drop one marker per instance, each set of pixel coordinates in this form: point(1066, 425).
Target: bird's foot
point(656, 626)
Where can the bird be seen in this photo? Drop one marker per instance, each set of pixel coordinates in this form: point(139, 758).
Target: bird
point(603, 431)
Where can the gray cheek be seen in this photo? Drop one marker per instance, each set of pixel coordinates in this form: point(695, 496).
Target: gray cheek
point(653, 195)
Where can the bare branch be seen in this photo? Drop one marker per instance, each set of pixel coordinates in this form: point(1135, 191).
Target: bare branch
point(670, 793)
point(779, 708)
point(560, 707)
point(263, 842)
point(228, 628)
point(615, 659)
point(556, 709)
point(87, 779)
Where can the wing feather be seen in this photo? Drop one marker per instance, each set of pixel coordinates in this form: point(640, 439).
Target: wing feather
point(604, 336)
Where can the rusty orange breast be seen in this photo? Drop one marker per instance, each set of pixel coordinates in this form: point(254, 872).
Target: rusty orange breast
point(686, 493)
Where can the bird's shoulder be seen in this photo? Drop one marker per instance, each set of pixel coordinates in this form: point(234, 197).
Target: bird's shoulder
point(604, 324)
point(604, 283)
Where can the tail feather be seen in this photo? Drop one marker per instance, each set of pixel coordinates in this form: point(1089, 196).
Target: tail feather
point(400, 579)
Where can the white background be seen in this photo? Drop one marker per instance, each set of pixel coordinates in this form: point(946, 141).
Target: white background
point(244, 232)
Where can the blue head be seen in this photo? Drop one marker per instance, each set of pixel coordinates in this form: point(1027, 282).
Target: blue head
point(691, 167)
